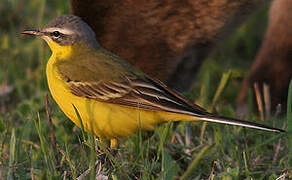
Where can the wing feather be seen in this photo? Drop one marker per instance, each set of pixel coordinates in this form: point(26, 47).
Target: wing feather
point(124, 85)
point(138, 93)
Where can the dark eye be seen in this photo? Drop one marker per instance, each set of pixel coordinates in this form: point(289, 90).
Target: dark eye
point(56, 34)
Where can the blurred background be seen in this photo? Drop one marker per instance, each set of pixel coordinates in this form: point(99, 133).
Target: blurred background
point(26, 151)
point(23, 59)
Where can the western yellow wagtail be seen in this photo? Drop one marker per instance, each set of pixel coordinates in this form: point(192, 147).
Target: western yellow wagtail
point(113, 98)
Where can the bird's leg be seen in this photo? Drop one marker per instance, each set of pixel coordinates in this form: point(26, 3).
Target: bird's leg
point(113, 143)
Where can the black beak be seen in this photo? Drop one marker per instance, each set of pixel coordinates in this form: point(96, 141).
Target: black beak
point(32, 32)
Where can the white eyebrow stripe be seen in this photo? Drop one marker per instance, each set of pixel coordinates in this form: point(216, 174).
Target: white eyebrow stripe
point(61, 30)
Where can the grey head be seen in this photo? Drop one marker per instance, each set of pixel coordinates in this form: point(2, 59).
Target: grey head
point(67, 30)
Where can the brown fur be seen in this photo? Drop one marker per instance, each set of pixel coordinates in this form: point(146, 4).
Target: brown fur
point(273, 63)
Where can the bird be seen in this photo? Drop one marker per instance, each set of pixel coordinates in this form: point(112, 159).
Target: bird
point(104, 93)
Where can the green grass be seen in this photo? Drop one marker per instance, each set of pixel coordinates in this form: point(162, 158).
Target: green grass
point(26, 149)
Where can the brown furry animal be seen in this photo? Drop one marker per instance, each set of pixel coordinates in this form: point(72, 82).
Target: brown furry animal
point(273, 63)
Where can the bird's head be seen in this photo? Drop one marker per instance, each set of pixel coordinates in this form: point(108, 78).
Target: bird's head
point(65, 31)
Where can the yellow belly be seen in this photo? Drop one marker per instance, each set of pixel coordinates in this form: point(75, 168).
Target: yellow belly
point(105, 120)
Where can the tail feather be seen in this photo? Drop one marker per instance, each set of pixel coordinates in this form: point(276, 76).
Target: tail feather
point(237, 122)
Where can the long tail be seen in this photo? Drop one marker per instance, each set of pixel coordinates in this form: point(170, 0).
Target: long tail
point(237, 122)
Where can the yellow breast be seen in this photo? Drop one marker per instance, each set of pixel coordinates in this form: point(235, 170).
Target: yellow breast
point(105, 120)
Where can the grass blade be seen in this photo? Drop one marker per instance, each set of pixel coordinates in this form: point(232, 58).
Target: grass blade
point(81, 123)
point(11, 155)
point(91, 143)
point(49, 159)
point(204, 96)
point(195, 162)
point(289, 120)
point(223, 83)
